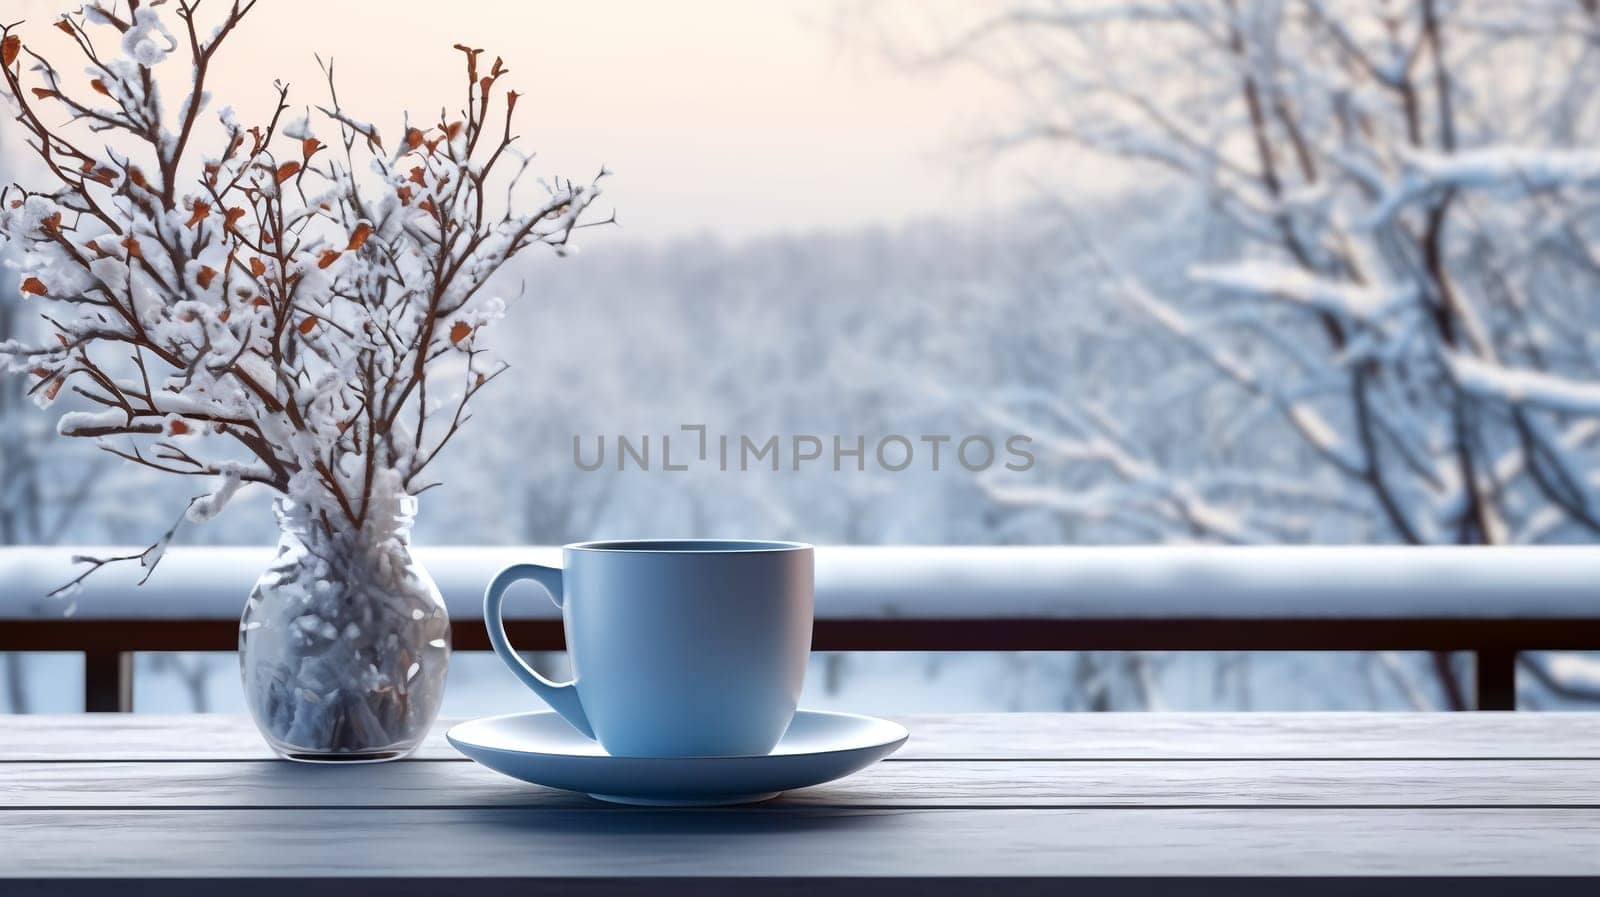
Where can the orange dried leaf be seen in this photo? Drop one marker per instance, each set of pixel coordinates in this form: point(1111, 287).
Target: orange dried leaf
point(100, 87)
point(35, 286)
point(51, 391)
point(511, 101)
point(198, 213)
point(43, 373)
point(65, 26)
point(257, 267)
point(404, 193)
point(132, 245)
point(62, 339)
point(309, 146)
point(226, 314)
point(177, 427)
point(234, 214)
point(459, 331)
point(328, 257)
point(419, 176)
point(287, 170)
point(427, 206)
point(359, 237)
point(257, 302)
point(413, 138)
point(9, 48)
point(204, 276)
point(453, 129)
point(472, 59)
point(307, 325)
point(44, 93)
point(52, 224)
point(137, 177)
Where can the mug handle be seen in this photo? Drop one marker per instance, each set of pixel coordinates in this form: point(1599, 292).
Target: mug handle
point(561, 696)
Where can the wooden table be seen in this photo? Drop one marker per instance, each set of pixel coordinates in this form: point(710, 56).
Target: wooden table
point(1458, 804)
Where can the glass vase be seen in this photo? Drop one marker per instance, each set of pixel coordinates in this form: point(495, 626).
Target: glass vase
point(345, 642)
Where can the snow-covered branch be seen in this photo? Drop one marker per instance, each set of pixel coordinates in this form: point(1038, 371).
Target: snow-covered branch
point(1505, 168)
point(1289, 283)
point(1398, 209)
point(307, 313)
point(1515, 386)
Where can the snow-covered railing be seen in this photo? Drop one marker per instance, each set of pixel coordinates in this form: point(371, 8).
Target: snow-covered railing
point(1493, 602)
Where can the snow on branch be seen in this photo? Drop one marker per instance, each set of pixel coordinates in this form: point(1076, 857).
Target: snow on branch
point(1271, 280)
point(1488, 168)
point(305, 310)
point(1516, 386)
point(1307, 421)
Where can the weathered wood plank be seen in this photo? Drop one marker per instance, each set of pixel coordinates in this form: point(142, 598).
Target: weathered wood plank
point(995, 736)
point(139, 736)
point(881, 886)
point(952, 784)
point(623, 843)
point(1252, 736)
point(834, 886)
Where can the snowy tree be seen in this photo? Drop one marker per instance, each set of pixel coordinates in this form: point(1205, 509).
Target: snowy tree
point(300, 315)
point(1403, 302)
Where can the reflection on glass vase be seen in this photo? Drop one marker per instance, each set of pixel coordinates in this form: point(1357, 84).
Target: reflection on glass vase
point(345, 642)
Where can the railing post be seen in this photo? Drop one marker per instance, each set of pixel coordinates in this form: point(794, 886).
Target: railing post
point(1496, 678)
point(108, 681)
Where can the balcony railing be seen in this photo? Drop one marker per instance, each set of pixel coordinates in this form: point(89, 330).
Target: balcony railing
point(1492, 602)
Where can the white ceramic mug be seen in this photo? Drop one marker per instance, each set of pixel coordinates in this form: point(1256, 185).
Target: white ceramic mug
point(688, 648)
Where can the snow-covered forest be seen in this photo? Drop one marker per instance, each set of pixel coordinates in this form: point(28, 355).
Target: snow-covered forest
point(1355, 247)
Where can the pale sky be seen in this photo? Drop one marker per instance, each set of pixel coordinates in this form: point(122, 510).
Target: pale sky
point(733, 117)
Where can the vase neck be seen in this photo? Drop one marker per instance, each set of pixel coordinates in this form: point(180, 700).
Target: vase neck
point(386, 522)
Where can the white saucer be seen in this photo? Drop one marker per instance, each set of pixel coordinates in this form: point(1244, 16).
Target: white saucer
point(541, 748)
